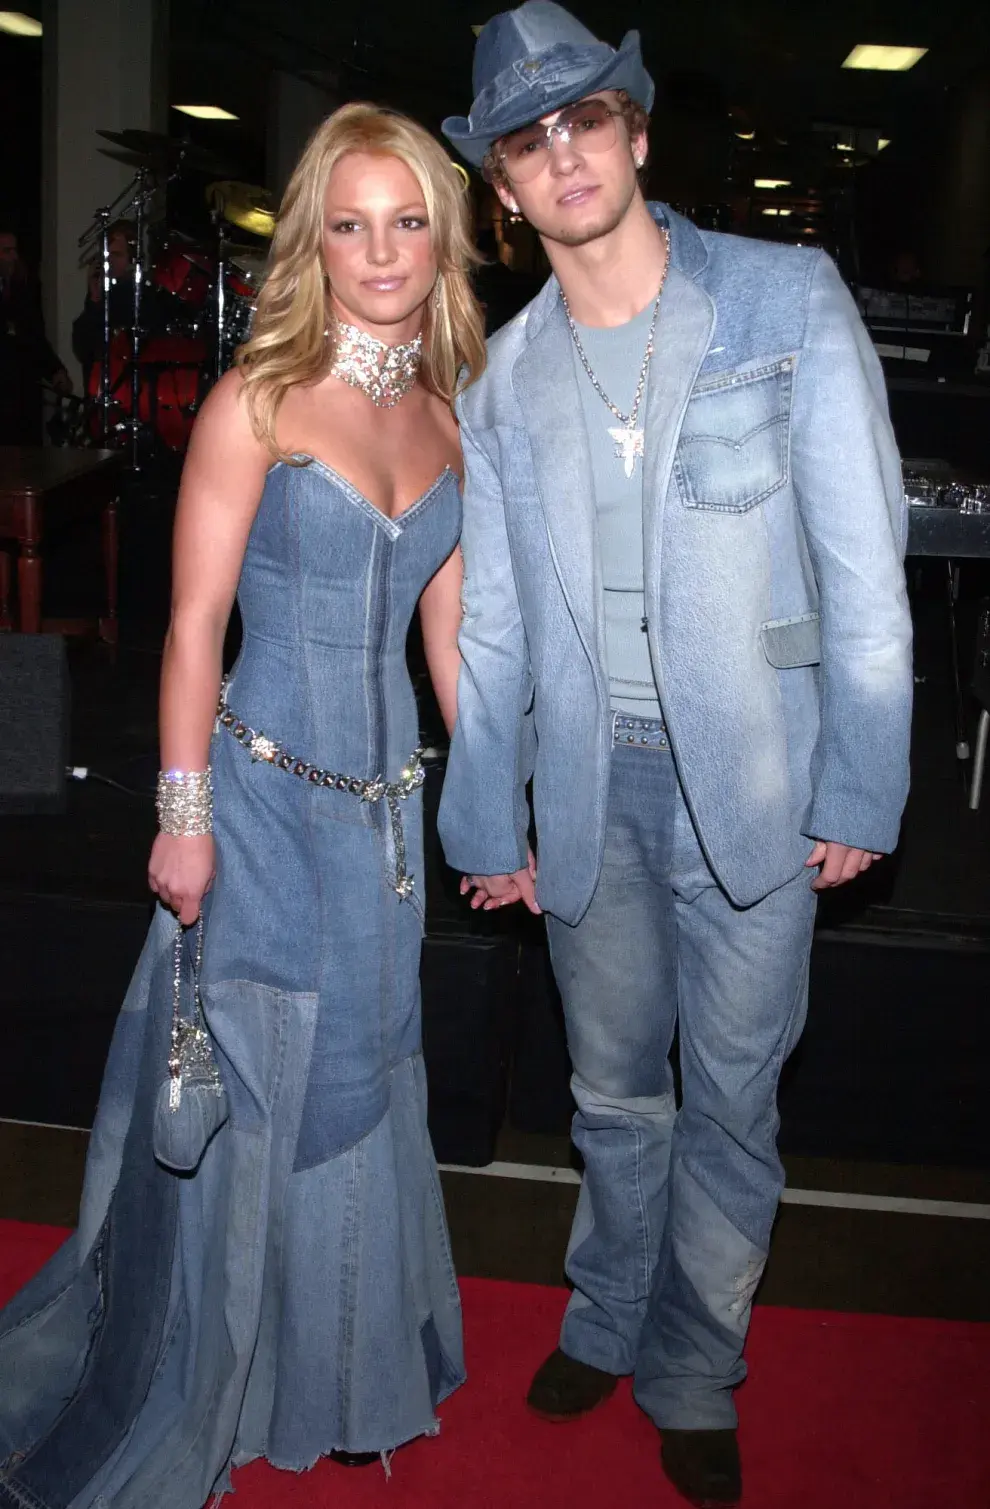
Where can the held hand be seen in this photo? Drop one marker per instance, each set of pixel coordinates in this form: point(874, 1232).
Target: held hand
point(180, 872)
point(493, 891)
point(838, 864)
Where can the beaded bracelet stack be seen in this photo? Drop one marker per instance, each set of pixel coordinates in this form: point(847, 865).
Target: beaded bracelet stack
point(185, 802)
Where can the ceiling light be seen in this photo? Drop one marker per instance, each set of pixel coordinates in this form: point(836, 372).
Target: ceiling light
point(745, 135)
point(844, 146)
point(769, 211)
point(206, 112)
point(782, 213)
point(884, 59)
point(16, 24)
point(477, 30)
point(771, 183)
point(883, 141)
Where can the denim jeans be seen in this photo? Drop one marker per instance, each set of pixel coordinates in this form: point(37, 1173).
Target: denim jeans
point(676, 1207)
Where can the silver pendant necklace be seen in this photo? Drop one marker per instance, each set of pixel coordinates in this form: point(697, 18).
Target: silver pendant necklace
point(385, 373)
point(629, 438)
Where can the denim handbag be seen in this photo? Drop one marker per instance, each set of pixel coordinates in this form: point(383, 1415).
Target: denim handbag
point(191, 1106)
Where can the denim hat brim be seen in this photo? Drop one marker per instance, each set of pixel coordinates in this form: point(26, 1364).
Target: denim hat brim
point(534, 87)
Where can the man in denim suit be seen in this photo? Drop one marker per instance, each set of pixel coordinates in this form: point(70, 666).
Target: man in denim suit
point(685, 618)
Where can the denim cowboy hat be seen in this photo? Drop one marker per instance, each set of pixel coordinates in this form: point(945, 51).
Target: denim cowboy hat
point(533, 60)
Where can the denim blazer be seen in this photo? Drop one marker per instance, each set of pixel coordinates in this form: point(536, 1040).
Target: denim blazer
point(774, 531)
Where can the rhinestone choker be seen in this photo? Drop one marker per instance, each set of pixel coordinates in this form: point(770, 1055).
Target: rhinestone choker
point(385, 373)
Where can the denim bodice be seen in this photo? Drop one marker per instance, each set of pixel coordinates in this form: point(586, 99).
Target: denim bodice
point(304, 900)
point(326, 594)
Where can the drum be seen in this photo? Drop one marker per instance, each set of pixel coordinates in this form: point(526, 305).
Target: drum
point(240, 281)
point(172, 385)
point(184, 271)
point(120, 386)
point(241, 286)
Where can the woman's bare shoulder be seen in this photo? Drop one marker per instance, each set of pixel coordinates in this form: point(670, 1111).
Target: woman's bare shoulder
point(223, 436)
point(225, 418)
point(225, 403)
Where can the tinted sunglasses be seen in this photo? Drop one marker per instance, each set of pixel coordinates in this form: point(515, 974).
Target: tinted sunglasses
point(589, 126)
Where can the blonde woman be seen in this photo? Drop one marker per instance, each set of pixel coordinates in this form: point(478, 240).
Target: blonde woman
point(291, 1295)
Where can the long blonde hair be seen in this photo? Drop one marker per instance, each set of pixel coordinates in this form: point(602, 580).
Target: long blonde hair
point(289, 343)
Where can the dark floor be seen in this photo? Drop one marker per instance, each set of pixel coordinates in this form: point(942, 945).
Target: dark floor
point(892, 1262)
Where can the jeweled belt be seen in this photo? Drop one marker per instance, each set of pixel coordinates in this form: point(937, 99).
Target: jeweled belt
point(412, 776)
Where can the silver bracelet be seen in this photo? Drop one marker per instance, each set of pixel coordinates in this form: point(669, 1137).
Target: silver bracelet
point(185, 802)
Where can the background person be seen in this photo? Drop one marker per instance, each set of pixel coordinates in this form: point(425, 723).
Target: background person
point(27, 359)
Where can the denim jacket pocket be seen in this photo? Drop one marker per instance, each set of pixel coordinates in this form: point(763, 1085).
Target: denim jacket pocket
point(792, 642)
point(732, 452)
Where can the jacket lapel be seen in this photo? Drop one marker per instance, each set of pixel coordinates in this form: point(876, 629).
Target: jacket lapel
point(546, 387)
point(684, 333)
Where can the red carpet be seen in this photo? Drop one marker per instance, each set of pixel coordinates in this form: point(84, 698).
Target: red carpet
point(842, 1412)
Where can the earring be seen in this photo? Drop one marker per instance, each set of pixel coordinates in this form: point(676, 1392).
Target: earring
point(438, 291)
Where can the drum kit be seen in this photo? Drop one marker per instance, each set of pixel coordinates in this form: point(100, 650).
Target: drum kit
point(190, 298)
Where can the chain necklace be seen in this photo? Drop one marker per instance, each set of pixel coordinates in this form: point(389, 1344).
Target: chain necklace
point(385, 373)
point(628, 437)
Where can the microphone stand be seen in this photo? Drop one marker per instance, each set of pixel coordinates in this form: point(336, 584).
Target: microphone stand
point(99, 232)
point(105, 355)
point(140, 206)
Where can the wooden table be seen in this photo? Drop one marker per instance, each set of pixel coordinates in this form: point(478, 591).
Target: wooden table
point(39, 488)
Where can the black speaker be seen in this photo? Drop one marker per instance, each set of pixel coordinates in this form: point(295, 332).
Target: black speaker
point(34, 723)
point(469, 987)
point(981, 664)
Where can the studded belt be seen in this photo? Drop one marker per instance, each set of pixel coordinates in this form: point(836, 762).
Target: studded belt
point(649, 733)
point(411, 777)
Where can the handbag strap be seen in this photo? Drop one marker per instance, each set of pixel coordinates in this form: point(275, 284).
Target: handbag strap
point(190, 1050)
point(197, 1016)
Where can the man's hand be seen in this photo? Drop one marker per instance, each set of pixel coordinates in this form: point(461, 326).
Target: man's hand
point(838, 863)
point(493, 891)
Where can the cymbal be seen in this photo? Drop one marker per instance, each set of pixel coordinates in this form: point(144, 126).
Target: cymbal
point(241, 252)
point(151, 146)
point(129, 159)
point(246, 205)
point(249, 260)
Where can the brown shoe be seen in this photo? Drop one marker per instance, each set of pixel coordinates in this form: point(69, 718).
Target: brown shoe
point(703, 1466)
point(565, 1389)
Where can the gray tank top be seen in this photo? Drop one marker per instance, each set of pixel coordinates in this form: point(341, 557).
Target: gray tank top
point(616, 356)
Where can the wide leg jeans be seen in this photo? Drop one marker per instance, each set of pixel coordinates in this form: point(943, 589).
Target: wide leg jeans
point(674, 1216)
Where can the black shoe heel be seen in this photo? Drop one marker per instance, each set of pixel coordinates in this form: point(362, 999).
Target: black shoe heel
point(355, 1458)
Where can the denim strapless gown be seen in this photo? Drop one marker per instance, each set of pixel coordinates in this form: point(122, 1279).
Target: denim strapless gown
point(296, 1295)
